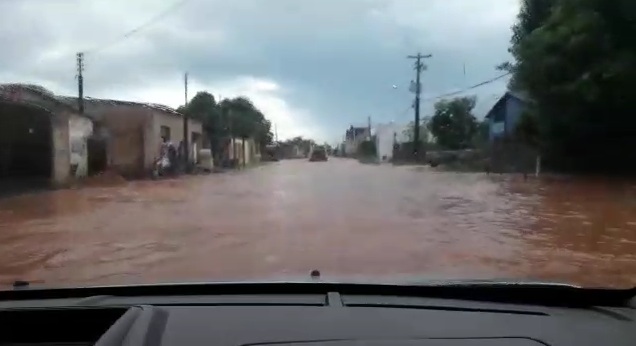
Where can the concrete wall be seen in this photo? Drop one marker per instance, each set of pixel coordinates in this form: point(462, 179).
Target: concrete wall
point(80, 128)
point(134, 134)
point(126, 129)
point(384, 134)
point(60, 137)
point(60, 125)
point(248, 150)
point(175, 123)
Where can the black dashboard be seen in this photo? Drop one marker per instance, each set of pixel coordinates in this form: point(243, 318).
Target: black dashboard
point(312, 317)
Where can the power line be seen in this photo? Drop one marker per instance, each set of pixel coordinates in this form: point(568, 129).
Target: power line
point(405, 111)
point(441, 96)
point(139, 28)
point(467, 89)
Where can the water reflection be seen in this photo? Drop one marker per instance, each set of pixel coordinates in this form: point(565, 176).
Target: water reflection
point(347, 219)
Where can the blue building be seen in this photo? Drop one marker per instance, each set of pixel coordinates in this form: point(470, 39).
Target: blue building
point(505, 114)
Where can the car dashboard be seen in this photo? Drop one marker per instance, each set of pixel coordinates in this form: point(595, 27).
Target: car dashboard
point(330, 318)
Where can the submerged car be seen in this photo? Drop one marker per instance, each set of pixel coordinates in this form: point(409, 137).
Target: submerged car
point(318, 155)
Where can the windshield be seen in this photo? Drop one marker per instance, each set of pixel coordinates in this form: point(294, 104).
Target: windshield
point(152, 142)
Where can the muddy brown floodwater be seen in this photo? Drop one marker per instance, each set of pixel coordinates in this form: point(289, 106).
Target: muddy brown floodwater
point(351, 221)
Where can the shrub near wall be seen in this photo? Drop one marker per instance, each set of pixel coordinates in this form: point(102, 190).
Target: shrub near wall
point(367, 152)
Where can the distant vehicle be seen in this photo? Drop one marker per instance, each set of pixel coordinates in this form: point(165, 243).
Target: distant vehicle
point(318, 154)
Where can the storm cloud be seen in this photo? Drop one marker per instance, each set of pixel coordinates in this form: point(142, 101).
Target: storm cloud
point(313, 67)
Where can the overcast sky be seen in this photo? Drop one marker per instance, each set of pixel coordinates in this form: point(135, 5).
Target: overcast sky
point(313, 67)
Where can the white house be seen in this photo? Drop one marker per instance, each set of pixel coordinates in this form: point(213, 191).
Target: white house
point(385, 136)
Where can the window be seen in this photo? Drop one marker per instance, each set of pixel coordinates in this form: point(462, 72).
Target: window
point(164, 132)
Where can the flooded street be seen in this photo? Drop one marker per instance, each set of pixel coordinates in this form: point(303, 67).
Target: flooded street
point(349, 220)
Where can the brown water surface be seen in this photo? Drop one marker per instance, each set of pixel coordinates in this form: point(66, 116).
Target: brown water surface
point(349, 220)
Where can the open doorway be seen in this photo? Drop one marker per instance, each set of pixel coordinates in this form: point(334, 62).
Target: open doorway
point(26, 150)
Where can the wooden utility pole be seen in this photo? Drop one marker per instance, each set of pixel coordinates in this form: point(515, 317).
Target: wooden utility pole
point(186, 150)
point(419, 67)
point(80, 82)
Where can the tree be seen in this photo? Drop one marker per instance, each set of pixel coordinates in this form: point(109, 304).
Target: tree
point(203, 107)
point(409, 132)
point(532, 15)
point(304, 145)
point(578, 68)
point(527, 130)
point(237, 117)
point(453, 123)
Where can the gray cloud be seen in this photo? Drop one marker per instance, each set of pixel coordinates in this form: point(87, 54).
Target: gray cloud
point(333, 61)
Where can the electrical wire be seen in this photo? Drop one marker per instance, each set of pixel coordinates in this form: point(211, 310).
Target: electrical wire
point(466, 89)
point(404, 112)
point(169, 10)
point(441, 96)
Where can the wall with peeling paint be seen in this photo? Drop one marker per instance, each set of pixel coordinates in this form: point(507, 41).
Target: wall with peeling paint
point(80, 128)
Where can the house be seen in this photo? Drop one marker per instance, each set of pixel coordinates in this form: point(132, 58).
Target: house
point(505, 114)
point(353, 137)
point(131, 134)
point(246, 151)
point(42, 139)
point(386, 135)
point(507, 153)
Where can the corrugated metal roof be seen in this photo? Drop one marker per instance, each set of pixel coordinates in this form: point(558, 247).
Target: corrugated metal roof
point(30, 87)
point(71, 101)
point(35, 89)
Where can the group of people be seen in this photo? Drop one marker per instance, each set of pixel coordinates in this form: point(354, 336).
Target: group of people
point(168, 160)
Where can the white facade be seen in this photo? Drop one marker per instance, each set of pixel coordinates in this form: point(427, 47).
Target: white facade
point(351, 144)
point(385, 136)
point(80, 128)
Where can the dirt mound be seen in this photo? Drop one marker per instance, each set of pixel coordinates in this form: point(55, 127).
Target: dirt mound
point(106, 178)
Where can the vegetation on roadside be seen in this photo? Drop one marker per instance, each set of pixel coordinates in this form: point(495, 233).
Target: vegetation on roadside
point(367, 149)
point(453, 126)
point(237, 117)
point(453, 123)
point(576, 59)
point(286, 147)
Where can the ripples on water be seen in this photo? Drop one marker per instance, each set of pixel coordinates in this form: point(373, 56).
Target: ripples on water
point(347, 219)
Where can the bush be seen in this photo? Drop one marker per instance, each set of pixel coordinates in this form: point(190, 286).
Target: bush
point(367, 149)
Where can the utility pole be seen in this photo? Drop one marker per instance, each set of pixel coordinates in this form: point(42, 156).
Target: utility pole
point(419, 67)
point(275, 133)
point(185, 124)
point(369, 126)
point(80, 82)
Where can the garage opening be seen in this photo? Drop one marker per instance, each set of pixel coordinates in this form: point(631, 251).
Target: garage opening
point(26, 153)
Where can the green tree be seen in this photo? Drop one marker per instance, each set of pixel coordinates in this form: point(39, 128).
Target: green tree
point(203, 107)
point(579, 68)
point(527, 130)
point(424, 133)
point(532, 15)
point(453, 123)
point(237, 117)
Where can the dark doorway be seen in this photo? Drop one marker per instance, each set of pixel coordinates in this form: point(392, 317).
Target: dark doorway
point(26, 154)
point(97, 159)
